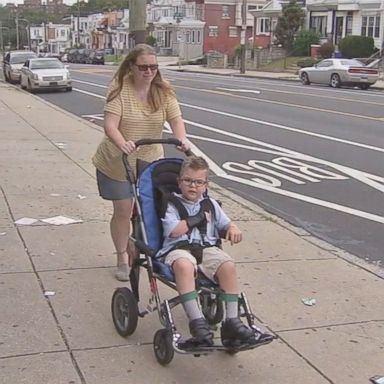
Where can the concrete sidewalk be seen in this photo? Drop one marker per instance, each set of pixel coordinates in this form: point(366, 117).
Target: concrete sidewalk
point(57, 281)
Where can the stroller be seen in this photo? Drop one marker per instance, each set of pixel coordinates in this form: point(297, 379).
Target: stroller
point(155, 181)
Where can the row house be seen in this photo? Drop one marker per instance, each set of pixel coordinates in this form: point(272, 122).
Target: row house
point(332, 19)
point(224, 23)
point(176, 27)
point(54, 38)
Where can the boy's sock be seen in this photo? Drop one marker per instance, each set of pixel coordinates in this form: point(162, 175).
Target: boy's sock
point(231, 301)
point(191, 306)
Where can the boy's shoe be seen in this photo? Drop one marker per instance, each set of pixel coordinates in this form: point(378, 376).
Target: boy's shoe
point(236, 333)
point(122, 272)
point(201, 332)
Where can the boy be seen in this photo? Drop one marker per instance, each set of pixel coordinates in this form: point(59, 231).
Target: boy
point(190, 237)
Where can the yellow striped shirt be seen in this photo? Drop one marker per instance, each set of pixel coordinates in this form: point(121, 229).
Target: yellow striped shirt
point(138, 121)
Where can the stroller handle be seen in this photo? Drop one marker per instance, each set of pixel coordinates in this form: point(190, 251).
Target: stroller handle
point(171, 141)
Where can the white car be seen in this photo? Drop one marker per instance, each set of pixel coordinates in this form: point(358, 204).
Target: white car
point(45, 73)
point(13, 62)
point(338, 72)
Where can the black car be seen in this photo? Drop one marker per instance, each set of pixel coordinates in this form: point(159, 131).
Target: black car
point(95, 57)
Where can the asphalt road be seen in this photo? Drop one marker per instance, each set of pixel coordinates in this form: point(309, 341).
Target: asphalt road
point(311, 155)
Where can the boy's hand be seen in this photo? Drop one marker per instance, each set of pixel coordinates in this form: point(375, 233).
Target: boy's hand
point(233, 234)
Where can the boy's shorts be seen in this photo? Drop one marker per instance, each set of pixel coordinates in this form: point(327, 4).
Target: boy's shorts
point(213, 258)
point(110, 189)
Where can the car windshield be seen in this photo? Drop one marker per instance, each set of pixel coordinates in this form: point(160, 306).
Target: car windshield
point(352, 63)
point(21, 58)
point(46, 64)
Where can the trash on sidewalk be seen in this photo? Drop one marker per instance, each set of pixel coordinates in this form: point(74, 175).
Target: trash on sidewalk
point(60, 145)
point(3, 233)
point(81, 197)
point(61, 220)
point(26, 221)
point(310, 301)
point(55, 194)
point(49, 293)
point(377, 379)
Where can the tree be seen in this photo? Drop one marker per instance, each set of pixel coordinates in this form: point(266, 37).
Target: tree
point(303, 42)
point(288, 24)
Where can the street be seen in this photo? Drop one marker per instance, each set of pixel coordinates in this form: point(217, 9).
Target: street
point(311, 155)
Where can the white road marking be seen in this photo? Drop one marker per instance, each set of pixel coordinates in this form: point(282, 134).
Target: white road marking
point(364, 177)
point(239, 90)
point(285, 127)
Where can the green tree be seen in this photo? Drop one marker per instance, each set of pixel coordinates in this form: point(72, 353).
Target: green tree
point(303, 42)
point(288, 24)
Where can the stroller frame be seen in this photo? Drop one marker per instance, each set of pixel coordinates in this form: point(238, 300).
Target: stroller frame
point(124, 306)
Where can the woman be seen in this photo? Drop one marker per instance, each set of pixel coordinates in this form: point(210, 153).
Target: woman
point(138, 103)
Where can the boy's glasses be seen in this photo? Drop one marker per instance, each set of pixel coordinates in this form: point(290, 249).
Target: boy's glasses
point(145, 67)
point(198, 182)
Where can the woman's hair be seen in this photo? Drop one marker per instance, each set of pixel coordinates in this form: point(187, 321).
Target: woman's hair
point(196, 163)
point(160, 88)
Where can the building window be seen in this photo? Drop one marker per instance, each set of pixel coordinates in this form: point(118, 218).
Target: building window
point(264, 25)
point(213, 31)
point(348, 27)
point(370, 26)
point(232, 32)
point(319, 24)
point(225, 12)
point(62, 32)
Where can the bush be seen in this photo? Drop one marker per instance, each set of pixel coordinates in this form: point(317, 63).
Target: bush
point(302, 44)
point(356, 46)
point(326, 50)
point(307, 62)
point(151, 40)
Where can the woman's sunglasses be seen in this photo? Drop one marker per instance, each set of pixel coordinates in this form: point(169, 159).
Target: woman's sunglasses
point(145, 67)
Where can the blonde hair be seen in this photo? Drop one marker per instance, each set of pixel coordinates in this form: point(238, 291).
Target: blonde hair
point(160, 88)
point(196, 163)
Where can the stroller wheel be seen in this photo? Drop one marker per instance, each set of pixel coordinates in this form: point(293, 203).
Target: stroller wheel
point(212, 307)
point(162, 346)
point(125, 311)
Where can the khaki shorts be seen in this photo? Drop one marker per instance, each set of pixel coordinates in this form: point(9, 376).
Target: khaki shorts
point(213, 258)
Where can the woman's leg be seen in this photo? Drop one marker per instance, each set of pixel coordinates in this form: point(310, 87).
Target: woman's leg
point(120, 231)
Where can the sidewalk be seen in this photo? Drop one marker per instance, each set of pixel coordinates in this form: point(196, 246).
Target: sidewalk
point(57, 281)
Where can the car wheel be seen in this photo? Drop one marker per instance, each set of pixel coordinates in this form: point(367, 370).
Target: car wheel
point(69, 89)
point(335, 81)
point(363, 86)
point(305, 79)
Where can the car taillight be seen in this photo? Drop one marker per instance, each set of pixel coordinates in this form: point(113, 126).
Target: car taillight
point(366, 71)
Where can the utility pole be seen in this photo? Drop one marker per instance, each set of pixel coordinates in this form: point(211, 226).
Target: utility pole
point(78, 24)
point(138, 20)
point(242, 35)
point(17, 31)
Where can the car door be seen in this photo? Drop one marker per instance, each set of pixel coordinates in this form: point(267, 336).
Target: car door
point(24, 74)
point(321, 73)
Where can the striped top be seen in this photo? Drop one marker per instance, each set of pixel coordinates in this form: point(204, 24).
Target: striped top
point(138, 121)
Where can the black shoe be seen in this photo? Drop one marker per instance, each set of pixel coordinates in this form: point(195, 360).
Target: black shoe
point(235, 333)
point(201, 332)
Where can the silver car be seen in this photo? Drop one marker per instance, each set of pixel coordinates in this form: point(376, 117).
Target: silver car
point(45, 73)
point(13, 62)
point(338, 72)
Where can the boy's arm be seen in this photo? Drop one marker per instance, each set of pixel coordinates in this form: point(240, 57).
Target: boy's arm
point(174, 227)
point(233, 234)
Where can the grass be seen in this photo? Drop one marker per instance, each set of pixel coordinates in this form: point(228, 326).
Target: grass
point(113, 58)
point(281, 64)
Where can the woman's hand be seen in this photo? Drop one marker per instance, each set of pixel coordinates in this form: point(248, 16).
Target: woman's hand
point(128, 147)
point(185, 145)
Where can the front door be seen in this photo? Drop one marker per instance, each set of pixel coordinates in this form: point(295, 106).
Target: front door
point(339, 29)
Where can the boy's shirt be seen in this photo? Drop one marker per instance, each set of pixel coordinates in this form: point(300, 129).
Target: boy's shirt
point(218, 221)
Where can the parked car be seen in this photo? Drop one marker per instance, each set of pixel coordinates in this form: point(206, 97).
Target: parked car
point(338, 72)
point(45, 73)
point(95, 57)
point(71, 55)
point(13, 62)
